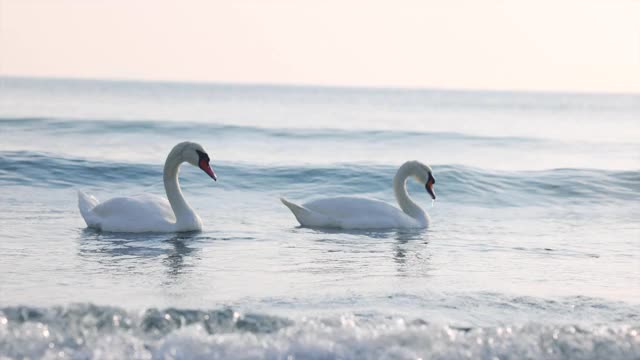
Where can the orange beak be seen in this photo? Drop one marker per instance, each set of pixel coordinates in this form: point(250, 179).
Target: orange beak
point(204, 165)
point(429, 187)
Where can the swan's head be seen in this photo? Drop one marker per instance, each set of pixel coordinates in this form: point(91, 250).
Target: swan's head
point(195, 155)
point(424, 176)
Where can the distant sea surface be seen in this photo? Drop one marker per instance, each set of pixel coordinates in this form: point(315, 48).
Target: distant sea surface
point(533, 250)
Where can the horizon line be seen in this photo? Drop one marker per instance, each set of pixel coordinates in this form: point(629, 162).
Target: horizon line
point(312, 85)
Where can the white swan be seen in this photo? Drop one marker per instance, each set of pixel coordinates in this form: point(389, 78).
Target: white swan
point(347, 212)
point(150, 213)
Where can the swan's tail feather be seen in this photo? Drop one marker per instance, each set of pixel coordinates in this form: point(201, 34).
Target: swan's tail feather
point(305, 216)
point(86, 203)
point(293, 207)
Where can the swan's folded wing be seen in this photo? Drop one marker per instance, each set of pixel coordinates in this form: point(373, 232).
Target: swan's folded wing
point(351, 212)
point(147, 206)
point(348, 206)
point(133, 214)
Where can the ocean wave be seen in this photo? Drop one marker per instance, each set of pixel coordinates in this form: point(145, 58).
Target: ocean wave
point(84, 331)
point(55, 126)
point(454, 182)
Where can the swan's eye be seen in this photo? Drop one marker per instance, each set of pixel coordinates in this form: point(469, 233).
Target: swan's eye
point(202, 156)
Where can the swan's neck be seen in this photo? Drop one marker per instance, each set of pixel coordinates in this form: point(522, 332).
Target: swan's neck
point(185, 216)
point(402, 196)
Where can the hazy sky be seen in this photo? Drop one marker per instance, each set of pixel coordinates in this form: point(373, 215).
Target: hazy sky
point(580, 45)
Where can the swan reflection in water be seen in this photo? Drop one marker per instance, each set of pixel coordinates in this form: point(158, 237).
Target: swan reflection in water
point(130, 253)
point(175, 254)
point(408, 248)
point(411, 252)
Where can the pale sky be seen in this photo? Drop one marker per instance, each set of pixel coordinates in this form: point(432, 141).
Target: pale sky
point(557, 45)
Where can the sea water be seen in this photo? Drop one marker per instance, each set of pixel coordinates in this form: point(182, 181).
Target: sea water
point(533, 250)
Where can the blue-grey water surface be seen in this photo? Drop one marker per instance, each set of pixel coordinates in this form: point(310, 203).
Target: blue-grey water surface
point(533, 250)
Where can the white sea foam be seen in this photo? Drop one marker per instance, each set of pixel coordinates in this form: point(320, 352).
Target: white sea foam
point(90, 332)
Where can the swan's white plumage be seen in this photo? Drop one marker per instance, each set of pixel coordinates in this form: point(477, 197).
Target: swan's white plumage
point(350, 212)
point(347, 212)
point(147, 212)
point(139, 213)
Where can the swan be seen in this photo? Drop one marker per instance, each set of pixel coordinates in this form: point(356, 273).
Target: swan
point(348, 212)
point(147, 212)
